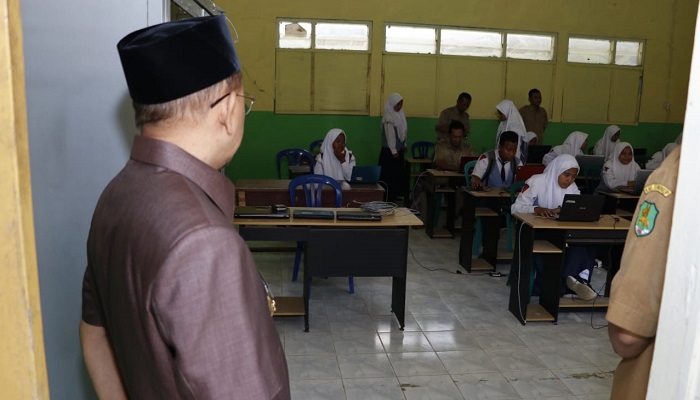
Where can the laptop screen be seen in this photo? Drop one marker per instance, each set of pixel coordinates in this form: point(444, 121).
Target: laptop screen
point(367, 174)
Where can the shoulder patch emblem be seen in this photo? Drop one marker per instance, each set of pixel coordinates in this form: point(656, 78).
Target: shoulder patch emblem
point(525, 187)
point(482, 157)
point(655, 187)
point(646, 218)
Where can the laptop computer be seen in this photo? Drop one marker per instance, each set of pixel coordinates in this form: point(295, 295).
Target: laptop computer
point(536, 152)
point(264, 212)
point(590, 165)
point(313, 214)
point(358, 216)
point(368, 174)
point(639, 181)
point(581, 208)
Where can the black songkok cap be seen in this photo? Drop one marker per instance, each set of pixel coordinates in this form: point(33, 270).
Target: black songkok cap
point(172, 60)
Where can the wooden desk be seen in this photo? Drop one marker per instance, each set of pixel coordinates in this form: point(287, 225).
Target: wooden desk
point(265, 192)
point(604, 232)
point(411, 172)
point(452, 180)
point(374, 249)
point(487, 204)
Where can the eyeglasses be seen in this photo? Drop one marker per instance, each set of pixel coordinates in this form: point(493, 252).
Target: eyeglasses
point(249, 101)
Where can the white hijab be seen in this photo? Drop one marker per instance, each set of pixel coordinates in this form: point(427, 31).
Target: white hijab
point(331, 165)
point(607, 147)
point(621, 172)
point(529, 136)
point(396, 118)
point(572, 144)
point(551, 195)
point(514, 122)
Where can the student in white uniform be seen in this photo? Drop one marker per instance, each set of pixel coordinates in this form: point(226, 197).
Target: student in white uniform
point(394, 137)
point(543, 195)
point(496, 168)
point(660, 156)
point(335, 160)
point(574, 145)
point(531, 138)
point(512, 121)
point(606, 145)
point(620, 170)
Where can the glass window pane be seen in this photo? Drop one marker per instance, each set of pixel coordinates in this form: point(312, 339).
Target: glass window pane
point(530, 47)
point(295, 35)
point(628, 53)
point(591, 51)
point(470, 43)
point(410, 39)
point(342, 36)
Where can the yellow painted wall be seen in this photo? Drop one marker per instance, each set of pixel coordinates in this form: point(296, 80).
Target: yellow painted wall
point(667, 26)
point(22, 360)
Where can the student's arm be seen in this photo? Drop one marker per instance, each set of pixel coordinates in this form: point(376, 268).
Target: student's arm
point(609, 177)
point(100, 362)
point(348, 165)
point(318, 165)
point(625, 343)
point(390, 135)
point(524, 203)
point(478, 172)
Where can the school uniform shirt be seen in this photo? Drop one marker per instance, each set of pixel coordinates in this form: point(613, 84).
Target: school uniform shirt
point(328, 164)
point(660, 156)
point(614, 172)
point(572, 145)
point(635, 296)
point(604, 146)
point(452, 114)
point(543, 190)
point(451, 155)
point(175, 286)
point(513, 123)
point(535, 119)
point(483, 163)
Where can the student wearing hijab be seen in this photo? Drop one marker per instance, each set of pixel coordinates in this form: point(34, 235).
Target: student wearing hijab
point(543, 195)
point(335, 160)
point(606, 145)
point(394, 129)
point(531, 138)
point(620, 170)
point(573, 145)
point(660, 156)
point(512, 121)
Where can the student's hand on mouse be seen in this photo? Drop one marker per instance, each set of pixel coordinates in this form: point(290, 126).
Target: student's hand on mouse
point(476, 182)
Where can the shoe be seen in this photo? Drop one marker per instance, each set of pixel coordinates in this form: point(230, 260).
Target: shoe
point(581, 289)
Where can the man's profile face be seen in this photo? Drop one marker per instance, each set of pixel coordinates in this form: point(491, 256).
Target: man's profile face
point(507, 150)
point(536, 99)
point(463, 104)
point(456, 137)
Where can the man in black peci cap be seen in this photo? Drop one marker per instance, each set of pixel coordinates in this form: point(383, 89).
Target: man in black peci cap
point(173, 305)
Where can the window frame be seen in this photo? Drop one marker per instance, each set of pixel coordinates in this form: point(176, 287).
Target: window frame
point(614, 41)
point(313, 22)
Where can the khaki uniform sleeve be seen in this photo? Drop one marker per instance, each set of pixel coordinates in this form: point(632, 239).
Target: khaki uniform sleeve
point(636, 291)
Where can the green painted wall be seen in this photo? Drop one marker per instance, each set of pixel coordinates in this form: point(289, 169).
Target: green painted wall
point(266, 133)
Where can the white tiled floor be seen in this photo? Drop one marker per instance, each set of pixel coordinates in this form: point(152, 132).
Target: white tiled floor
point(460, 340)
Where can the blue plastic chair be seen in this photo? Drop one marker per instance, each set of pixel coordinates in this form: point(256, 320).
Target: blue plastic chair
point(423, 149)
point(312, 185)
point(294, 157)
point(315, 146)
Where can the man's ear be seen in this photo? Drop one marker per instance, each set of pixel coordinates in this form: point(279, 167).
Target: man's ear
point(226, 109)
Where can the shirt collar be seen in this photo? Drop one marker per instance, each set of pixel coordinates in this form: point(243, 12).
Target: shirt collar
point(169, 156)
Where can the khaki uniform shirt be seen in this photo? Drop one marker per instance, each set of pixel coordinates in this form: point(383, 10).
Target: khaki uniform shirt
point(445, 152)
point(535, 120)
point(175, 286)
point(635, 297)
point(448, 115)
